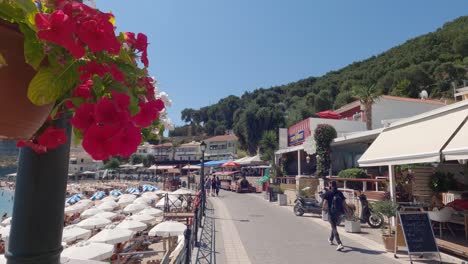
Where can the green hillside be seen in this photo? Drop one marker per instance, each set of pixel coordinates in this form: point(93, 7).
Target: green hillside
point(434, 62)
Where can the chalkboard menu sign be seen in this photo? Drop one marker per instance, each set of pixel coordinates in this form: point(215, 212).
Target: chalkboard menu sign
point(418, 232)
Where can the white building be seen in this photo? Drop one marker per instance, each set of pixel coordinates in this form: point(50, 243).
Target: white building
point(388, 108)
point(162, 152)
point(221, 147)
point(188, 151)
point(81, 162)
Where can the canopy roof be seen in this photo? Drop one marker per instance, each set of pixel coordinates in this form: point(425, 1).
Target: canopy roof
point(225, 173)
point(420, 139)
point(457, 149)
point(329, 115)
point(230, 164)
point(249, 160)
point(191, 167)
point(215, 163)
point(162, 167)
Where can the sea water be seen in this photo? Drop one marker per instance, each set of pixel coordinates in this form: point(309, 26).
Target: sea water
point(6, 201)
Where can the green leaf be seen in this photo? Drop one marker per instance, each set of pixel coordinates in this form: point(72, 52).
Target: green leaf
point(78, 136)
point(11, 12)
point(27, 6)
point(33, 49)
point(49, 84)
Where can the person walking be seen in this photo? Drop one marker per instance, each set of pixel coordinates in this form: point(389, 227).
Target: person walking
point(218, 185)
point(207, 185)
point(213, 185)
point(336, 208)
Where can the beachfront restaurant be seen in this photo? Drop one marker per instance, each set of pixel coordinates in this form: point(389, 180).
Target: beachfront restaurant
point(436, 144)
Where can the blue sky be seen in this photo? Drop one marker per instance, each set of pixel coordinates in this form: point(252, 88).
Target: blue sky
point(203, 50)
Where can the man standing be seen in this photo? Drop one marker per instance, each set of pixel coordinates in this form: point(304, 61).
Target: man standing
point(335, 200)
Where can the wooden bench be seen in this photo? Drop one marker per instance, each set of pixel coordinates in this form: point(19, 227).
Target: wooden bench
point(176, 216)
point(453, 248)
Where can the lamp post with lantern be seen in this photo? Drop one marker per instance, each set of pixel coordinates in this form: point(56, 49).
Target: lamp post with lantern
point(202, 178)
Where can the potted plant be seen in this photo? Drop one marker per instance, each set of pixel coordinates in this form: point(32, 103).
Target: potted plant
point(388, 209)
point(63, 58)
point(282, 198)
point(352, 224)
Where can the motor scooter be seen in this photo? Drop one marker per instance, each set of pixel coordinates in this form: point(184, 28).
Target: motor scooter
point(367, 215)
point(307, 205)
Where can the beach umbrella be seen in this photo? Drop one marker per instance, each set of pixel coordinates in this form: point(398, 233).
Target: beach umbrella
point(151, 211)
point(89, 251)
point(90, 212)
point(182, 191)
point(149, 188)
point(144, 218)
point(7, 221)
point(115, 192)
point(132, 225)
point(133, 191)
point(160, 192)
point(5, 230)
point(134, 208)
point(230, 164)
point(127, 196)
point(124, 202)
point(150, 195)
point(106, 207)
point(98, 195)
point(110, 203)
point(167, 229)
point(73, 199)
point(172, 200)
point(109, 198)
point(76, 208)
point(73, 233)
point(93, 222)
point(106, 215)
point(112, 235)
point(143, 200)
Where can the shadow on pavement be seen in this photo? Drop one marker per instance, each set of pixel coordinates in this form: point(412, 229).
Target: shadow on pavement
point(362, 250)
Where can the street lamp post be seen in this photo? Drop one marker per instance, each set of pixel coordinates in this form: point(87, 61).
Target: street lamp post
point(202, 179)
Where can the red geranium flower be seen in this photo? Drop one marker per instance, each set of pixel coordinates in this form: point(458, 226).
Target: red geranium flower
point(52, 137)
point(90, 69)
point(84, 117)
point(84, 90)
point(116, 73)
point(29, 143)
point(59, 29)
point(148, 113)
point(99, 141)
point(108, 112)
point(128, 140)
point(98, 34)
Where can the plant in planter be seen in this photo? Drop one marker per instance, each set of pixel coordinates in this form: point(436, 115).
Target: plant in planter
point(388, 209)
point(352, 224)
point(63, 57)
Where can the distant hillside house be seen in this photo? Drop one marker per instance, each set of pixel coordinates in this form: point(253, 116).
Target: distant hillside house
point(162, 152)
point(221, 147)
point(188, 151)
point(387, 109)
point(81, 162)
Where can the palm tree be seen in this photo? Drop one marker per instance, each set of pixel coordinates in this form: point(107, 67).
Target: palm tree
point(268, 144)
point(367, 95)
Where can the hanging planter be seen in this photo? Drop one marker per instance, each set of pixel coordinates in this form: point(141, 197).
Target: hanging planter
point(64, 57)
point(19, 117)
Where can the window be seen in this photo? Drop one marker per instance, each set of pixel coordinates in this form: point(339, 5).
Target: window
point(81, 168)
point(180, 158)
point(82, 160)
point(189, 158)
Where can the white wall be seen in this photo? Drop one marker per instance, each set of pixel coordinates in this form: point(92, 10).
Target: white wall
point(341, 126)
point(385, 108)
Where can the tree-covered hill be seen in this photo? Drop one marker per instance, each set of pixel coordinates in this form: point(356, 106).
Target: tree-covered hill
point(433, 62)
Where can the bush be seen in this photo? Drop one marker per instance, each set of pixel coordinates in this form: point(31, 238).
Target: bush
point(353, 173)
point(386, 208)
point(442, 182)
point(276, 189)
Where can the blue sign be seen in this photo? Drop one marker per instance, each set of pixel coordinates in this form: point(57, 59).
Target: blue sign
point(296, 137)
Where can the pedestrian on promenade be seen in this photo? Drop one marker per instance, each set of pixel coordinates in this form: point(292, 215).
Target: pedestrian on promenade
point(207, 185)
point(213, 185)
point(218, 185)
point(336, 208)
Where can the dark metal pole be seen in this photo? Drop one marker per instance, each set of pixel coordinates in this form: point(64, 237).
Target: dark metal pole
point(38, 210)
point(202, 181)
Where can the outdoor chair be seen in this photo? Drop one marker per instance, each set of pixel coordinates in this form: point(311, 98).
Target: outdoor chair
point(442, 217)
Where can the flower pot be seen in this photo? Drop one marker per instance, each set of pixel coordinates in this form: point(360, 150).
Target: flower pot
point(282, 199)
point(389, 243)
point(352, 226)
point(19, 118)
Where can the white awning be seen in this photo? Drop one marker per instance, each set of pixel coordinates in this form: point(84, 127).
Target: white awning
point(161, 167)
point(419, 139)
point(457, 149)
point(290, 149)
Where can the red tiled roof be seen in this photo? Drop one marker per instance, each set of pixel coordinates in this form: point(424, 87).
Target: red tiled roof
point(222, 138)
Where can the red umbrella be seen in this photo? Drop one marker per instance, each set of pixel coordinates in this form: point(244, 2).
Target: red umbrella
point(329, 115)
point(230, 164)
